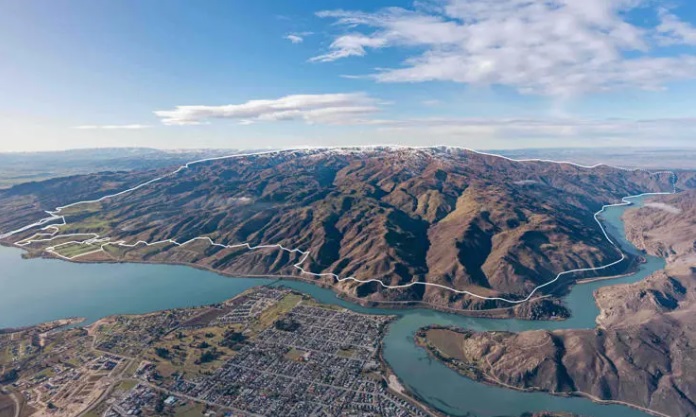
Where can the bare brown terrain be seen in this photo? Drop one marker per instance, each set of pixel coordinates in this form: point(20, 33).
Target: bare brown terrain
point(7, 405)
point(402, 217)
point(26, 203)
point(642, 351)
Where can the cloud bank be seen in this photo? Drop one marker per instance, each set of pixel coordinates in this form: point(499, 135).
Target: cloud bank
point(113, 127)
point(560, 131)
point(549, 47)
point(362, 110)
point(334, 109)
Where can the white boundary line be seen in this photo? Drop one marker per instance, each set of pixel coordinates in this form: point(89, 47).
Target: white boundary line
point(105, 241)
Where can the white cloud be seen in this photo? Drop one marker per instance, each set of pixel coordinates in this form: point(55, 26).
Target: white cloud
point(674, 31)
point(113, 127)
point(297, 37)
point(360, 109)
point(343, 108)
point(552, 47)
point(562, 132)
point(350, 45)
point(294, 38)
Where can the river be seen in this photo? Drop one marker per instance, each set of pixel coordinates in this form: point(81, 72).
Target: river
point(37, 290)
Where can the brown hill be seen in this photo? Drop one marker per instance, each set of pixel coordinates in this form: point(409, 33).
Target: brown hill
point(642, 352)
point(452, 217)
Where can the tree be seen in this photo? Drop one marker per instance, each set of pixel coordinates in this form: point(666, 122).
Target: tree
point(9, 376)
point(287, 325)
point(162, 352)
point(159, 405)
point(209, 356)
point(232, 339)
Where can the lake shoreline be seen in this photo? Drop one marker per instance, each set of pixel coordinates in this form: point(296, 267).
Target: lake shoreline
point(500, 313)
point(46, 326)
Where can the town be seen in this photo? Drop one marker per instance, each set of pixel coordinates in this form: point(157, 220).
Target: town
point(267, 352)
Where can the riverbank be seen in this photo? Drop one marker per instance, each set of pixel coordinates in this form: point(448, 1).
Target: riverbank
point(391, 380)
point(480, 369)
point(639, 260)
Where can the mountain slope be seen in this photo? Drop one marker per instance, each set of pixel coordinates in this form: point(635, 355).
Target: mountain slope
point(452, 217)
point(642, 350)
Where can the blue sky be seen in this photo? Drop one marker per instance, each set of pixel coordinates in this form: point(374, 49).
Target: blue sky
point(239, 74)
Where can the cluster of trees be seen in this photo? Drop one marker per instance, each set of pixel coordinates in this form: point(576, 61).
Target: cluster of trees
point(232, 339)
point(162, 352)
point(9, 376)
point(208, 356)
point(287, 324)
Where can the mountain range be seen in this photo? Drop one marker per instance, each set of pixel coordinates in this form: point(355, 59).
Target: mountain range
point(397, 217)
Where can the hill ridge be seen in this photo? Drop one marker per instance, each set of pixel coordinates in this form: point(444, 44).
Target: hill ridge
point(319, 153)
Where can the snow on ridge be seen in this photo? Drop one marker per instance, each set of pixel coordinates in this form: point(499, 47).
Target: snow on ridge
point(375, 149)
point(526, 182)
point(664, 207)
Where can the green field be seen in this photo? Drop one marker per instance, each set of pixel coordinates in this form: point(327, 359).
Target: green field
point(278, 310)
point(72, 250)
